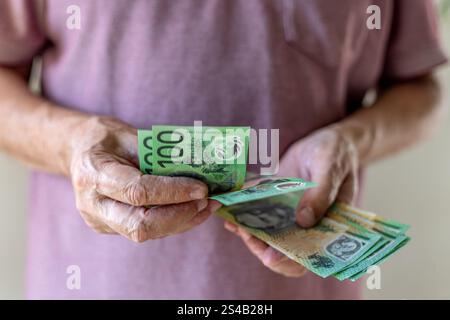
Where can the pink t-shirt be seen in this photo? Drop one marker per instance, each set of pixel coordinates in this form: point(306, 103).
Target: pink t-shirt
point(296, 65)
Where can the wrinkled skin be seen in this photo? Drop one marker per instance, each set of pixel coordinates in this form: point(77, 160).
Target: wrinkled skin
point(326, 157)
point(330, 159)
point(112, 194)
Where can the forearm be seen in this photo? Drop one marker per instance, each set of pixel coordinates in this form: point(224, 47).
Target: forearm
point(403, 115)
point(33, 129)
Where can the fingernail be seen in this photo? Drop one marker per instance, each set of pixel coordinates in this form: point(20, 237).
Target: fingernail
point(214, 206)
point(306, 217)
point(198, 194)
point(202, 204)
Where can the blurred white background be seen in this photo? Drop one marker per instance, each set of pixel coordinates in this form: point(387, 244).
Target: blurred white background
point(413, 187)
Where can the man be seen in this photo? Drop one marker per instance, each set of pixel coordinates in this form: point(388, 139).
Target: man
point(298, 65)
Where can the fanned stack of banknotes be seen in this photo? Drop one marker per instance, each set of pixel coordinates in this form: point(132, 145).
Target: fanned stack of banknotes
point(344, 244)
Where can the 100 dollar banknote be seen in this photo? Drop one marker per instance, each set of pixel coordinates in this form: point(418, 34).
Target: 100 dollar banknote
point(216, 156)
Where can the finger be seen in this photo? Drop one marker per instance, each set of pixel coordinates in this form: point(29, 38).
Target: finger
point(127, 184)
point(316, 201)
point(198, 219)
point(270, 257)
point(178, 218)
point(140, 224)
point(231, 227)
point(277, 262)
point(256, 246)
point(261, 250)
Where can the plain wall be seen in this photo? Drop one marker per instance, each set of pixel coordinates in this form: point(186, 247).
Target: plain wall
point(413, 187)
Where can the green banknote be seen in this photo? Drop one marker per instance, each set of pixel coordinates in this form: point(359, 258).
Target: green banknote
point(380, 243)
point(391, 238)
point(325, 249)
point(215, 155)
point(384, 225)
point(264, 188)
point(363, 272)
point(145, 151)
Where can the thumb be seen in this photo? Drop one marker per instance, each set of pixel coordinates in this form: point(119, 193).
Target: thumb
point(316, 201)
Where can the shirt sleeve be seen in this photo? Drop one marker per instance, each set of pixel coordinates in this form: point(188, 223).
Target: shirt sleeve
point(414, 48)
point(21, 35)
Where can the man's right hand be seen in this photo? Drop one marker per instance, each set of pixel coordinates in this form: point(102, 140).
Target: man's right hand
point(112, 195)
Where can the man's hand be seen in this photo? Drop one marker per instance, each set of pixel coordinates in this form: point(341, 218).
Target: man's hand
point(112, 194)
point(326, 157)
point(329, 158)
point(99, 155)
